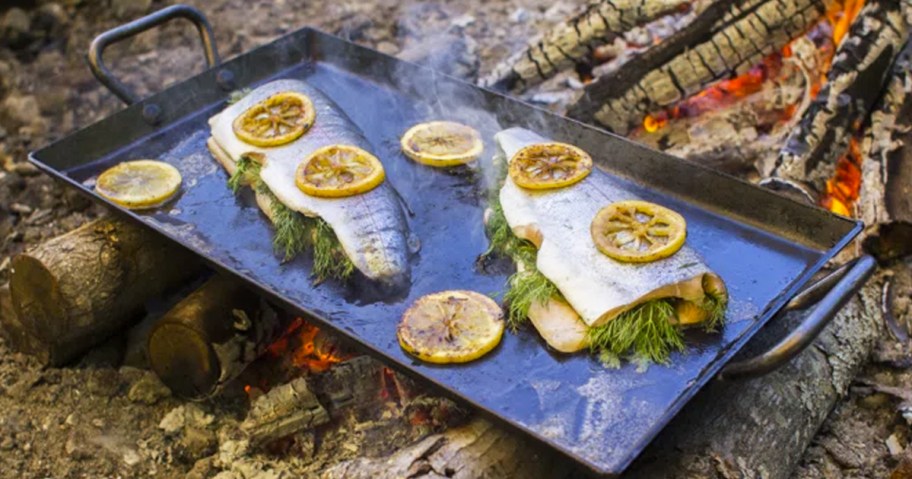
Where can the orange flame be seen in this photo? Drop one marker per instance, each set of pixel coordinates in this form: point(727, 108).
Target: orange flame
point(843, 188)
point(306, 348)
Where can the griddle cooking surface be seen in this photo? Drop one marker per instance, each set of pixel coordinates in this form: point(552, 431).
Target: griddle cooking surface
point(601, 417)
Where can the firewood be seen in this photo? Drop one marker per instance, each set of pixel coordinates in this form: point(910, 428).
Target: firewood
point(477, 450)
point(209, 337)
point(285, 410)
point(885, 204)
point(72, 292)
point(856, 78)
point(572, 42)
point(702, 53)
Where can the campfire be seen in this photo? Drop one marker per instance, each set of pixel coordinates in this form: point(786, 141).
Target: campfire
point(810, 98)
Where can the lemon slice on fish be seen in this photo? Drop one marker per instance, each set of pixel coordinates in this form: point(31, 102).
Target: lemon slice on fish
point(638, 231)
point(275, 121)
point(339, 170)
point(442, 143)
point(451, 327)
point(549, 165)
point(139, 184)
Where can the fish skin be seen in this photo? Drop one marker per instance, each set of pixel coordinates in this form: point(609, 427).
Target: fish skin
point(371, 227)
point(596, 286)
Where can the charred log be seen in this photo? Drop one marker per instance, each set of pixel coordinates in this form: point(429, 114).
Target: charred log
point(885, 203)
point(702, 53)
point(856, 78)
point(285, 410)
point(573, 42)
point(209, 337)
point(74, 291)
point(476, 450)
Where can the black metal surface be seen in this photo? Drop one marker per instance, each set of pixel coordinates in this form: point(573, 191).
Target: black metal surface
point(764, 246)
point(840, 285)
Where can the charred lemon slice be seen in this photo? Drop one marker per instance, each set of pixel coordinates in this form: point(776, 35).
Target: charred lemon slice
point(549, 165)
point(339, 170)
point(442, 143)
point(451, 327)
point(139, 184)
point(279, 119)
point(638, 231)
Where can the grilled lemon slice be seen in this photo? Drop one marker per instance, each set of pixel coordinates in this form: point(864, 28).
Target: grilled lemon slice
point(442, 143)
point(638, 231)
point(451, 327)
point(339, 170)
point(139, 184)
point(549, 165)
point(275, 121)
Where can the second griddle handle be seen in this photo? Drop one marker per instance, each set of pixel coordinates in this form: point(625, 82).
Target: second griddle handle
point(117, 34)
point(830, 294)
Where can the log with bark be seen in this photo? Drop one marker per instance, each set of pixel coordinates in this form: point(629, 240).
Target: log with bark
point(74, 291)
point(572, 43)
point(857, 77)
point(209, 337)
point(885, 204)
point(727, 39)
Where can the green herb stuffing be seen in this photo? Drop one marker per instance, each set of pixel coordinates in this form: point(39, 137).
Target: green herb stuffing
point(646, 331)
point(644, 334)
point(294, 232)
point(237, 95)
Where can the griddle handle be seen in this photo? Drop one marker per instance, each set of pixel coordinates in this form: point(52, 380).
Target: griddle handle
point(117, 34)
point(830, 294)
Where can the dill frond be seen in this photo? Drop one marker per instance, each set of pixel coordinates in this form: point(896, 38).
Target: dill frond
point(330, 260)
point(291, 228)
point(715, 305)
point(246, 172)
point(644, 332)
point(526, 288)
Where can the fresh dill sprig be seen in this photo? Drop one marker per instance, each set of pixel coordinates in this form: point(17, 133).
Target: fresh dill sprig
point(291, 228)
point(715, 305)
point(644, 331)
point(526, 288)
point(330, 260)
point(246, 172)
point(294, 232)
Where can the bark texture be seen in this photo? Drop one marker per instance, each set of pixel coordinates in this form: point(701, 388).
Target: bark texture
point(478, 450)
point(285, 410)
point(74, 291)
point(717, 45)
point(885, 204)
point(854, 83)
point(209, 337)
point(572, 42)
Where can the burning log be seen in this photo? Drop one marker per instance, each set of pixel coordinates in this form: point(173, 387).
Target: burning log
point(74, 291)
point(209, 337)
point(702, 53)
point(886, 173)
point(854, 83)
point(285, 410)
point(573, 42)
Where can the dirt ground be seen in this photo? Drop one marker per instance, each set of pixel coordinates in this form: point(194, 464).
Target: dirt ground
point(103, 417)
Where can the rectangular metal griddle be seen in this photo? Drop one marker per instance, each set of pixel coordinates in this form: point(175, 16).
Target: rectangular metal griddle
point(764, 246)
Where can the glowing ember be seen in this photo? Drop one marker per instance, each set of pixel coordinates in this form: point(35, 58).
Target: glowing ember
point(826, 35)
point(306, 347)
point(843, 188)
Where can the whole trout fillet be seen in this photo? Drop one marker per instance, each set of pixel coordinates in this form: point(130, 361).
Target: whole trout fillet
point(558, 221)
point(371, 227)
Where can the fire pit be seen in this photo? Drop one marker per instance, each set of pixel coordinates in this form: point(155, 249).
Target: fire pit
point(791, 241)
